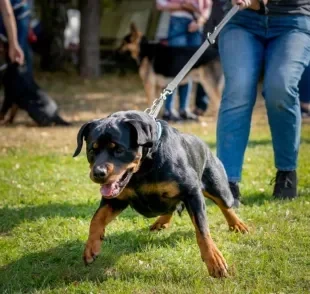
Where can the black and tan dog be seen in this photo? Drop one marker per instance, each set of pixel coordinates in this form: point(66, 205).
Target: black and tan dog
point(146, 164)
point(159, 64)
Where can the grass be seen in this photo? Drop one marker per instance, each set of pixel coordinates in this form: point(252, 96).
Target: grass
point(47, 201)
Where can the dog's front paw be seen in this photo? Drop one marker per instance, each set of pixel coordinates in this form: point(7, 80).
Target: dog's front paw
point(91, 251)
point(239, 227)
point(216, 264)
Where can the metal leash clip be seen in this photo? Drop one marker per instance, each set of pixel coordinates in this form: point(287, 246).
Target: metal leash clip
point(158, 103)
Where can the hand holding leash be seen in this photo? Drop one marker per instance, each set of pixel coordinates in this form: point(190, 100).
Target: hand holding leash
point(258, 5)
point(16, 54)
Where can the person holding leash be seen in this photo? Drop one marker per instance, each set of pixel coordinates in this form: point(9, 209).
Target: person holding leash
point(272, 36)
point(185, 29)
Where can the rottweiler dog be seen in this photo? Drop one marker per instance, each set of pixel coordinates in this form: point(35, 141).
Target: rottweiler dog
point(146, 164)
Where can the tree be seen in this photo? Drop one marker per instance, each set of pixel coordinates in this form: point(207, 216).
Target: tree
point(90, 38)
point(51, 44)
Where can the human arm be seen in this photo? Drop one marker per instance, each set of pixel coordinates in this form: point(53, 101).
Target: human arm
point(251, 4)
point(164, 5)
point(15, 52)
point(203, 14)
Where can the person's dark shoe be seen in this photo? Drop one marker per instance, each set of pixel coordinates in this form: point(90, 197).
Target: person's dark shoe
point(171, 116)
point(187, 115)
point(285, 185)
point(199, 112)
point(234, 188)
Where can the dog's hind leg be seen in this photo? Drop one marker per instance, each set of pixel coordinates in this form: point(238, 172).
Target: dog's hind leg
point(163, 222)
point(233, 221)
point(216, 188)
point(210, 86)
point(148, 78)
point(150, 91)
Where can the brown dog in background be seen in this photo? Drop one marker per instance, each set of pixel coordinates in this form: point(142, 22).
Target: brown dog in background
point(207, 70)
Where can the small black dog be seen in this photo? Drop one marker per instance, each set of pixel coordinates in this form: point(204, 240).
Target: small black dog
point(21, 91)
point(145, 163)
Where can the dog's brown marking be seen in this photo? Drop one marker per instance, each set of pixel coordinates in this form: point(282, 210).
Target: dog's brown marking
point(100, 220)
point(110, 167)
point(95, 145)
point(210, 254)
point(135, 165)
point(111, 145)
point(234, 223)
point(126, 194)
point(163, 222)
point(165, 189)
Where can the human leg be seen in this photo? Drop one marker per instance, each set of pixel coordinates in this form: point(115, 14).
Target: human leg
point(287, 56)
point(176, 37)
point(241, 71)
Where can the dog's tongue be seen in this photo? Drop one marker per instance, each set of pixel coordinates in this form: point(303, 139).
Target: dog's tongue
point(108, 189)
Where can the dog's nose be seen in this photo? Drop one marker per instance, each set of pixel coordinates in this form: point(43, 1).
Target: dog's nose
point(99, 171)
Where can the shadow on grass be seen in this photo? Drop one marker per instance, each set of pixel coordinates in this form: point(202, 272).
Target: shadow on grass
point(62, 266)
point(257, 199)
point(12, 217)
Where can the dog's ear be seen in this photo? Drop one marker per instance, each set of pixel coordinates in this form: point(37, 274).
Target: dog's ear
point(146, 132)
point(83, 133)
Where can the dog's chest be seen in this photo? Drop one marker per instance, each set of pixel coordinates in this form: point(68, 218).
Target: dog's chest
point(154, 199)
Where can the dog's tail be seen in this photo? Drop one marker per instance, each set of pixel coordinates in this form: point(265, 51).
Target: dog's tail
point(60, 121)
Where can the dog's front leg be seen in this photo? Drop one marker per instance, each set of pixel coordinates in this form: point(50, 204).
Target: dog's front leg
point(213, 258)
point(107, 211)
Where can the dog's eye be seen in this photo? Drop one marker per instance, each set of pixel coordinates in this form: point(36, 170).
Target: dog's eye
point(119, 150)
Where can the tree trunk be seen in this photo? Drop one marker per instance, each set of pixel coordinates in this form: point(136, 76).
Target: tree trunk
point(90, 38)
point(51, 42)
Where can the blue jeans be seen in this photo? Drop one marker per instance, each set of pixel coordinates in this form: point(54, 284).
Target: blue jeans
point(248, 44)
point(304, 86)
point(179, 36)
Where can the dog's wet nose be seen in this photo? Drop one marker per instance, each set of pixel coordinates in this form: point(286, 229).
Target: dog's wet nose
point(100, 171)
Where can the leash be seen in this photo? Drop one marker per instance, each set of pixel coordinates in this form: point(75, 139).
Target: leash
point(157, 104)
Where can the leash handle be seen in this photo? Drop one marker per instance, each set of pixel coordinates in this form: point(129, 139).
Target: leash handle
point(157, 104)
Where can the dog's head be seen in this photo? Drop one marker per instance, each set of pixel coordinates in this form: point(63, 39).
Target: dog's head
point(115, 147)
point(131, 42)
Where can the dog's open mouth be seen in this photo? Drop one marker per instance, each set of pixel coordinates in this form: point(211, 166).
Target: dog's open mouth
point(113, 189)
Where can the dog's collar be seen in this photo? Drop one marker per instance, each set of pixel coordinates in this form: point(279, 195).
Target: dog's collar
point(159, 130)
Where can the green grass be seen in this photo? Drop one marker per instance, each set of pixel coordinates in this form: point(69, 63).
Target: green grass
point(47, 201)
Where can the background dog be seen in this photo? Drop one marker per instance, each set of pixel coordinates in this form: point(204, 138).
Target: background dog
point(22, 92)
point(159, 64)
point(153, 168)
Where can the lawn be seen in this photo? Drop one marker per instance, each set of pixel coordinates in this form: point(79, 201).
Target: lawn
point(47, 201)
